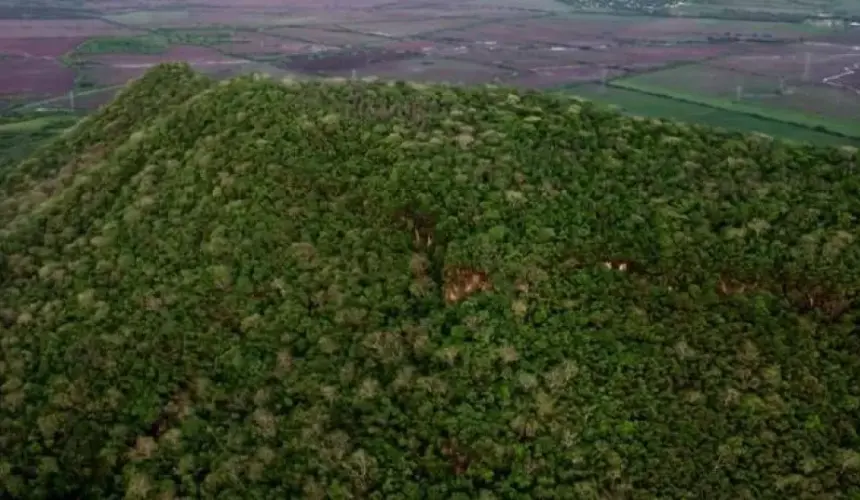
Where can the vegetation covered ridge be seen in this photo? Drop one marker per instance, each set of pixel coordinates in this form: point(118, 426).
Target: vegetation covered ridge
point(353, 289)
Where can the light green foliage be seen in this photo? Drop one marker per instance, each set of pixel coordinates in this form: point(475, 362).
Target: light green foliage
point(239, 294)
point(124, 45)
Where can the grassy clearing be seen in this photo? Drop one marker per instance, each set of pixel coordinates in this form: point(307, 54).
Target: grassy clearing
point(642, 104)
point(27, 125)
point(146, 44)
point(149, 17)
point(21, 135)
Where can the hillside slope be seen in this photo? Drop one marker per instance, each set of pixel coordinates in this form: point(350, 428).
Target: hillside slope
point(368, 290)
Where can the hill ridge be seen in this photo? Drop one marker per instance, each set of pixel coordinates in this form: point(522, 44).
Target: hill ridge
point(342, 288)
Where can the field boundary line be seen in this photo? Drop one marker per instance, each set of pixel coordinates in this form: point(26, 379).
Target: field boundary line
point(851, 132)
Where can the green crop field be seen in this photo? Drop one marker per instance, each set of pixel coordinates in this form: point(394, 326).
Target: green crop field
point(152, 18)
point(147, 44)
point(642, 104)
point(809, 106)
point(21, 135)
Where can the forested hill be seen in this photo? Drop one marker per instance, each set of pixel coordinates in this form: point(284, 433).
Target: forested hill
point(261, 289)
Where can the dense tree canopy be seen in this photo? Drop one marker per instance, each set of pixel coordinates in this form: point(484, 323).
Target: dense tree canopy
point(344, 289)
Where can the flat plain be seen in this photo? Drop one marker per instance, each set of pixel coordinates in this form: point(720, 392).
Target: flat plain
point(542, 44)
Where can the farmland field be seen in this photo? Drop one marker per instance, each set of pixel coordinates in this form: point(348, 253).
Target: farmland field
point(430, 70)
point(319, 36)
point(555, 76)
point(21, 135)
point(39, 47)
point(344, 60)
point(34, 77)
point(249, 43)
point(833, 65)
point(111, 69)
point(60, 28)
point(637, 103)
point(401, 28)
point(147, 18)
point(790, 7)
point(701, 29)
point(123, 45)
point(547, 31)
point(811, 105)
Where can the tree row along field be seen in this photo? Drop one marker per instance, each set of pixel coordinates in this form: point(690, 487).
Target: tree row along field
point(351, 289)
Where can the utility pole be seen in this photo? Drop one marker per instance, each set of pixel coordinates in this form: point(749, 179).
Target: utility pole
point(72, 100)
point(603, 76)
point(739, 92)
point(806, 64)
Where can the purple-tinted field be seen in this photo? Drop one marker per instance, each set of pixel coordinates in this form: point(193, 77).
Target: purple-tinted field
point(34, 77)
point(52, 28)
point(336, 62)
point(324, 36)
point(248, 43)
point(635, 58)
point(544, 31)
point(620, 57)
point(555, 76)
point(39, 47)
point(822, 64)
point(112, 69)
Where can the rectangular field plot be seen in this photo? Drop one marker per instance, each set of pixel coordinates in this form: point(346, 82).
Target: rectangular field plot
point(332, 37)
point(153, 18)
point(627, 58)
point(561, 31)
point(817, 106)
point(431, 71)
point(112, 69)
point(691, 29)
point(398, 28)
point(59, 28)
point(559, 76)
point(518, 59)
point(34, 77)
point(639, 104)
point(39, 47)
point(833, 65)
point(253, 43)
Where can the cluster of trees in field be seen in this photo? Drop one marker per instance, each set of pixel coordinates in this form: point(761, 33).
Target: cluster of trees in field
point(351, 289)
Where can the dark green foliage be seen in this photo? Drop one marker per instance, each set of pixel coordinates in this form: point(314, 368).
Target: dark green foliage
point(21, 135)
point(244, 295)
